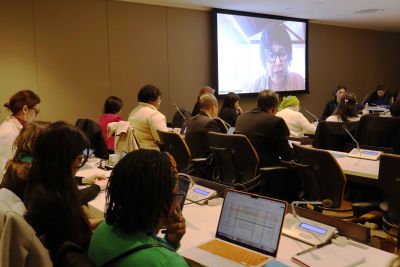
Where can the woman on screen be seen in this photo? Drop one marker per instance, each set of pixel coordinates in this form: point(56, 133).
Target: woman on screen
point(276, 56)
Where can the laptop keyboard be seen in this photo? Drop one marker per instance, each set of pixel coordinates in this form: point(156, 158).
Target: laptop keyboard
point(233, 253)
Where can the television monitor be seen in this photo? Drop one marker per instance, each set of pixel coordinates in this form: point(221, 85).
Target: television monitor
point(258, 51)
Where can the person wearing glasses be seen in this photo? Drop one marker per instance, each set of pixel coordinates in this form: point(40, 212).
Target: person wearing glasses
point(146, 119)
point(24, 107)
point(51, 194)
point(276, 56)
point(142, 200)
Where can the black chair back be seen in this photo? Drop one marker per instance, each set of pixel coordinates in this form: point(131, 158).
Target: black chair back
point(321, 174)
point(236, 158)
point(174, 144)
point(383, 132)
point(389, 181)
point(180, 118)
point(332, 136)
point(94, 134)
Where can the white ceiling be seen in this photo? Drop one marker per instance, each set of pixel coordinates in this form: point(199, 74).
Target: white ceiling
point(335, 12)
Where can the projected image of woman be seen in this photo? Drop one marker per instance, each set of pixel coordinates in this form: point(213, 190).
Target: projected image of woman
point(276, 56)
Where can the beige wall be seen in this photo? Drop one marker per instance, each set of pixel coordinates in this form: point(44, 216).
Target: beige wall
point(75, 53)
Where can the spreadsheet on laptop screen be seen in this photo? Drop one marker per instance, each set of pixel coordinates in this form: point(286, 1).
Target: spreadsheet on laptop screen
point(252, 221)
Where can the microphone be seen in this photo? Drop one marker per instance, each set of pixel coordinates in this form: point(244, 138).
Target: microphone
point(327, 203)
point(177, 108)
point(352, 137)
point(365, 98)
point(309, 113)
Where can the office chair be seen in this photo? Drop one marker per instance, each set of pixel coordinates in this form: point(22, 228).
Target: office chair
point(174, 144)
point(237, 161)
point(93, 132)
point(380, 133)
point(178, 121)
point(389, 181)
point(323, 178)
point(332, 136)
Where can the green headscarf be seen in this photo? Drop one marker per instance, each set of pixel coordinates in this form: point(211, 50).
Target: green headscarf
point(289, 101)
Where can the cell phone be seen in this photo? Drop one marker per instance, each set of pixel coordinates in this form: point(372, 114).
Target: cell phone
point(184, 185)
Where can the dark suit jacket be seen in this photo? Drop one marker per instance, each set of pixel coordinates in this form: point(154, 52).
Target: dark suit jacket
point(196, 134)
point(268, 134)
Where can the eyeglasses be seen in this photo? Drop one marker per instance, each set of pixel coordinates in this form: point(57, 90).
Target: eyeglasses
point(271, 56)
point(83, 159)
point(36, 110)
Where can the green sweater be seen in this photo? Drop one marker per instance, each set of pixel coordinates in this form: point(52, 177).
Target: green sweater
point(107, 243)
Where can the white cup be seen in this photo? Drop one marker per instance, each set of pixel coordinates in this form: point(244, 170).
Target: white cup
point(113, 159)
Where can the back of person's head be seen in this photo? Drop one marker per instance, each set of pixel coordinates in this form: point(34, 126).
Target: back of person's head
point(275, 33)
point(140, 191)
point(22, 98)
point(229, 100)
point(206, 90)
point(289, 101)
point(112, 105)
point(57, 148)
point(17, 168)
point(148, 93)
point(347, 107)
point(207, 101)
point(267, 99)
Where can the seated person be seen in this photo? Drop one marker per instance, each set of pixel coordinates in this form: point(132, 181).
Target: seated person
point(379, 97)
point(141, 200)
point(146, 119)
point(111, 110)
point(201, 124)
point(230, 109)
point(24, 107)
point(332, 104)
point(267, 132)
point(204, 90)
point(295, 120)
point(346, 110)
point(51, 196)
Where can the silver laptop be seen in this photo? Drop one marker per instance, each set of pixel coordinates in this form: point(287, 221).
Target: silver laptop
point(248, 233)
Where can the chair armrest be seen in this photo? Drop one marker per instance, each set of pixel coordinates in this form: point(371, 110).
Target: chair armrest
point(272, 168)
point(199, 160)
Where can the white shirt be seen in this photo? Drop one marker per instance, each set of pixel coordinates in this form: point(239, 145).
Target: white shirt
point(296, 122)
point(336, 118)
point(146, 120)
point(9, 130)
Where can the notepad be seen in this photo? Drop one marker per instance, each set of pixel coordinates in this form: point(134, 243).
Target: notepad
point(346, 256)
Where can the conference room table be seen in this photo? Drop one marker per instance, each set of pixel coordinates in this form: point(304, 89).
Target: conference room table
point(201, 224)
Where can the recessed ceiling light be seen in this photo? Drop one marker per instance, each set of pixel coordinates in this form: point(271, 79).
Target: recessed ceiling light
point(368, 11)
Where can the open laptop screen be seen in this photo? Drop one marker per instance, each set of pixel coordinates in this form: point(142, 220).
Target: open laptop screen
point(252, 221)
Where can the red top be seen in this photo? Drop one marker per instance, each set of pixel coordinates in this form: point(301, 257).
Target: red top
point(104, 120)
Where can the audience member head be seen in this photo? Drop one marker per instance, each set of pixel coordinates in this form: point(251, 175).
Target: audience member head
point(112, 105)
point(206, 90)
point(268, 100)
point(17, 168)
point(290, 101)
point(231, 100)
point(150, 176)
point(57, 156)
point(150, 94)
point(209, 104)
point(380, 90)
point(347, 107)
point(25, 105)
point(339, 92)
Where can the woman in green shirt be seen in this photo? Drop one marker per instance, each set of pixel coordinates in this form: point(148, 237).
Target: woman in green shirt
point(140, 202)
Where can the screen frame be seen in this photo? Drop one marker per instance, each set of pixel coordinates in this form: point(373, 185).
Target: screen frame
point(216, 11)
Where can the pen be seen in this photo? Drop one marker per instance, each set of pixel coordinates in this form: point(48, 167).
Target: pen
point(312, 248)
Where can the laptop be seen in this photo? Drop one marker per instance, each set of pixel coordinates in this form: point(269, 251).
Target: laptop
point(248, 232)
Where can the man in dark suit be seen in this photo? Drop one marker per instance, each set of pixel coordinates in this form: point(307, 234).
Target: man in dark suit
point(267, 132)
point(269, 136)
point(201, 124)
